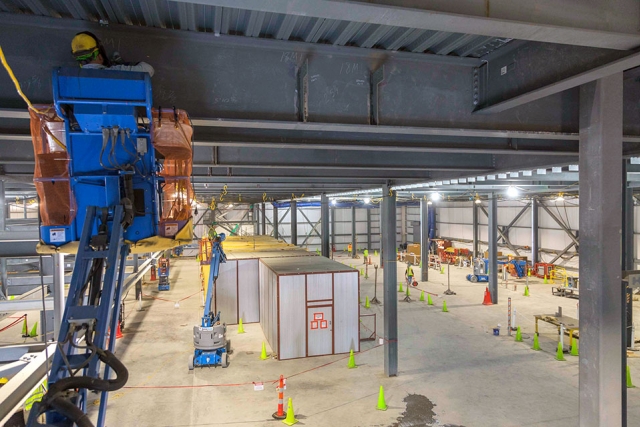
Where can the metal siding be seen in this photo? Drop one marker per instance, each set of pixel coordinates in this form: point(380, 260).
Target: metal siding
point(345, 306)
point(292, 317)
point(248, 290)
point(226, 289)
point(319, 287)
point(268, 305)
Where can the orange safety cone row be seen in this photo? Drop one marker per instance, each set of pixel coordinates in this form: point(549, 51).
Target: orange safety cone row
point(487, 297)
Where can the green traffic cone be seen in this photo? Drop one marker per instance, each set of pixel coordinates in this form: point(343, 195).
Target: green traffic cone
point(375, 253)
point(574, 347)
point(444, 307)
point(545, 281)
point(441, 270)
point(382, 405)
point(518, 335)
point(400, 289)
point(366, 303)
point(560, 353)
point(34, 330)
point(263, 354)
point(25, 332)
point(422, 296)
point(536, 343)
point(526, 291)
point(420, 264)
point(240, 327)
point(352, 361)
point(291, 418)
point(362, 272)
point(629, 383)
point(318, 251)
point(429, 300)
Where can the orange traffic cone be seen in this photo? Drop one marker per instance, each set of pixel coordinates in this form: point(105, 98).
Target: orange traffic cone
point(487, 297)
point(119, 332)
point(153, 273)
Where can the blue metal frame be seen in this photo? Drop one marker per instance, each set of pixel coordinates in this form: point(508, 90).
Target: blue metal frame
point(104, 316)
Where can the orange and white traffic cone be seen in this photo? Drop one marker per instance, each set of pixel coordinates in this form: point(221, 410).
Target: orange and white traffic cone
point(280, 414)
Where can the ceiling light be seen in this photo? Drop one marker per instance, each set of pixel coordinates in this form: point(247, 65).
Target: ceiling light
point(429, 202)
point(478, 201)
point(367, 200)
point(230, 205)
point(436, 196)
point(560, 198)
point(512, 191)
point(333, 201)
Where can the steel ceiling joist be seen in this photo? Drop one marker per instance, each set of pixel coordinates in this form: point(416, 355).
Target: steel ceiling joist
point(519, 26)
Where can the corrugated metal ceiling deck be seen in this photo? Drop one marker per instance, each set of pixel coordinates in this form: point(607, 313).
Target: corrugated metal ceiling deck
point(231, 21)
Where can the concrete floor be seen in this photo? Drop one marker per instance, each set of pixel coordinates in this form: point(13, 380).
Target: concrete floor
point(452, 370)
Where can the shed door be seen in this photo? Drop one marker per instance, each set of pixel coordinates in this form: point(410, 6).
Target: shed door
point(320, 330)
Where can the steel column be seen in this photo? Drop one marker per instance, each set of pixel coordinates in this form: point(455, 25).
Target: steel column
point(294, 222)
point(3, 208)
point(424, 239)
point(256, 220)
point(275, 222)
point(333, 230)
point(476, 232)
point(403, 224)
point(492, 221)
point(535, 242)
point(136, 268)
point(627, 221)
point(369, 247)
point(602, 359)
point(354, 235)
point(389, 236)
point(3, 277)
point(264, 219)
point(324, 226)
point(58, 292)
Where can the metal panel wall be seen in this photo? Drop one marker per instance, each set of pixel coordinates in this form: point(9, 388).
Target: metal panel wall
point(226, 292)
point(319, 287)
point(248, 290)
point(269, 305)
point(292, 339)
point(346, 312)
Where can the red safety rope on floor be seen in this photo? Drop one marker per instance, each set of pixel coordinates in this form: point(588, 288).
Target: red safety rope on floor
point(245, 383)
point(168, 300)
point(14, 323)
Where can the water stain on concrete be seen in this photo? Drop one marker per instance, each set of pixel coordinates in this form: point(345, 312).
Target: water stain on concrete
point(419, 413)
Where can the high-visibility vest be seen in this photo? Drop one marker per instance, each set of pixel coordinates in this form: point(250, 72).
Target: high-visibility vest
point(409, 271)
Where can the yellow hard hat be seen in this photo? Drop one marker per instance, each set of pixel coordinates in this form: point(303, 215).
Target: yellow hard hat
point(83, 46)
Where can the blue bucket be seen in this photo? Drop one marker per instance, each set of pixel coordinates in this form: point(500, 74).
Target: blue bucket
point(496, 331)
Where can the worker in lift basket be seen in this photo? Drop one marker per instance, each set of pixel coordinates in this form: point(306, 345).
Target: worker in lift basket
point(408, 274)
point(90, 53)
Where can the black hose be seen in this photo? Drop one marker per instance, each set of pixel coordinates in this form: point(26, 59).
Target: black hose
point(55, 399)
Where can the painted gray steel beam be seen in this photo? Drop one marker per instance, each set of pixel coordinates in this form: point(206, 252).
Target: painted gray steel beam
point(535, 235)
point(3, 208)
point(57, 291)
point(628, 246)
point(25, 305)
point(424, 239)
point(333, 231)
point(324, 226)
point(264, 219)
point(294, 222)
point(369, 247)
point(602, 357)
point(275, 222)
point(492, 224)
point(354, 236)
point(390, 279)
point(476, 232)
point(517, 28)
point(614, 67)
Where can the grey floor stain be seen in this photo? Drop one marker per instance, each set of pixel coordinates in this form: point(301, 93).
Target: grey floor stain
point(419, 413)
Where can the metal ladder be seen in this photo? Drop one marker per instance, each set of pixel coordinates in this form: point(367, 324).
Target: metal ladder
point(92, 310)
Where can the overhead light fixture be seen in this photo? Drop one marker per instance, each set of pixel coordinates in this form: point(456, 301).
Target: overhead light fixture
point(478, 201)
point(560, 198)
point(436, 196)
point(429, 202)
point(367, 200)
point(333, 201)
point(230, 205)
point(512, 191)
